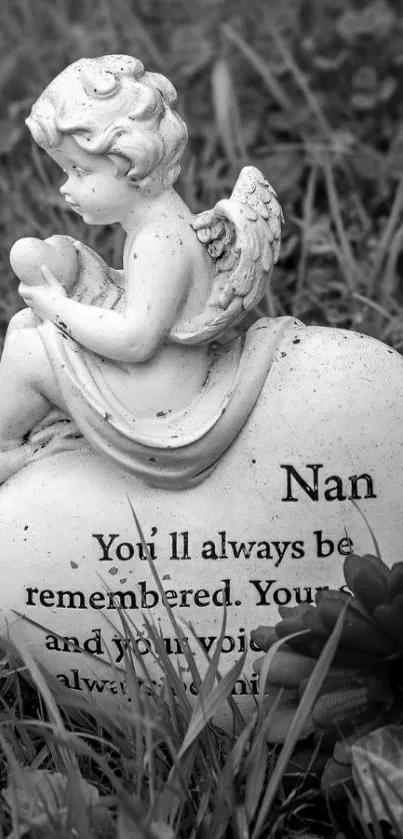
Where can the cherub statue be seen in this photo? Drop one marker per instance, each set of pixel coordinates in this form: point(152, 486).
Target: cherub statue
point(137, 363)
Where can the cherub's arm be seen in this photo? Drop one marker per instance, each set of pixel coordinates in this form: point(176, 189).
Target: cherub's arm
point(157, 276)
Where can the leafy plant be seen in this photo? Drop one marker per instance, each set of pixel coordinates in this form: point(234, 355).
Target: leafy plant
point(363, 689)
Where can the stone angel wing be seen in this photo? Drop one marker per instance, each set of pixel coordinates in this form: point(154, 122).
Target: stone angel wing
point(242, 235)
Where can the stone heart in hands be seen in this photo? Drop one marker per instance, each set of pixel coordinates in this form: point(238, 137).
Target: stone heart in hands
point(57, 253)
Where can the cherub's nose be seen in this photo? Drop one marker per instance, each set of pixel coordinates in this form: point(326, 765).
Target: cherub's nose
point(63, 189)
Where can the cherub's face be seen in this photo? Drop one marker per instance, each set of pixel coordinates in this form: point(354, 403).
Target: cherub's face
point(92, 189)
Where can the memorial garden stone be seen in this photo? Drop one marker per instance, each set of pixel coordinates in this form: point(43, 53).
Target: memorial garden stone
point(254, 460)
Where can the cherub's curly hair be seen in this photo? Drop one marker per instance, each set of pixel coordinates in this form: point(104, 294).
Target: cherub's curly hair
point(111, 105)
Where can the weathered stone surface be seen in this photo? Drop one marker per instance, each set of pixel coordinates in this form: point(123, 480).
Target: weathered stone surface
point(267, 528)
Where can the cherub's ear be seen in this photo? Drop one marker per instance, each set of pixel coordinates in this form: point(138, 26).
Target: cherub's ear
point(121, 164)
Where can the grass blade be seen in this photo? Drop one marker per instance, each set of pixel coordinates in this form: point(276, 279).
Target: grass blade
point(207, 707)
point(275, 89)
point(177, 629)
point(313, 687)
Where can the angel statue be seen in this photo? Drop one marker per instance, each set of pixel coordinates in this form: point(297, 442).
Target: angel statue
point(264, 453)
point(143, 364)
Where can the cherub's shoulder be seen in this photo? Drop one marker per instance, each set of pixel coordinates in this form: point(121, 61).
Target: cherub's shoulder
point(165, 236)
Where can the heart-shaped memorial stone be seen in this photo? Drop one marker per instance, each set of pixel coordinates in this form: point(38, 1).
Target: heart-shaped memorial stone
point(318, 463)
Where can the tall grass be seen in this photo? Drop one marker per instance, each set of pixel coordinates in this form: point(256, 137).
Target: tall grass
point(149, 760)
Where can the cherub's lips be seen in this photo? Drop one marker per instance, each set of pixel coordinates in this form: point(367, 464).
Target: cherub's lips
point(73, 204)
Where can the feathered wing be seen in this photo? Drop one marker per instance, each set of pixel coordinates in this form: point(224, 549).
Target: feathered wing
point(242, 234)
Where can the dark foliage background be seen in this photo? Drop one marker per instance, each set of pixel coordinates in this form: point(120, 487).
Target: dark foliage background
point(308, 90)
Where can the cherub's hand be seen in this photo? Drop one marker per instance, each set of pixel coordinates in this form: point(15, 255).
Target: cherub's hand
point(43, 299)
